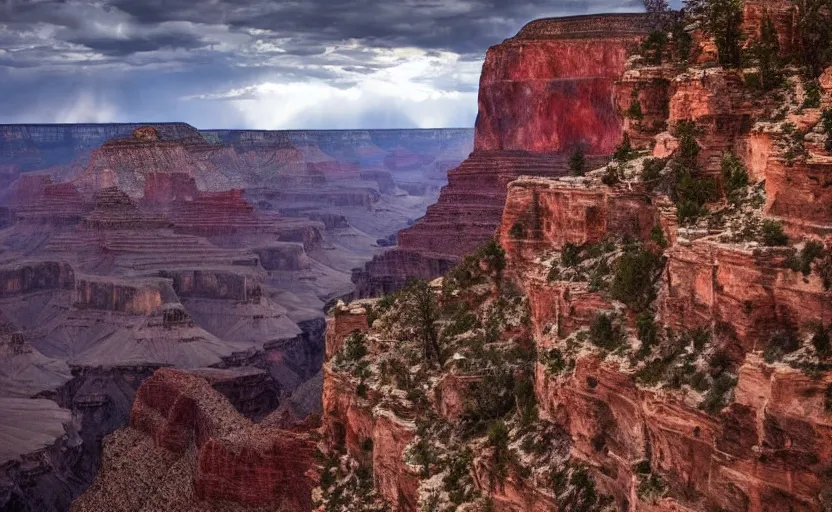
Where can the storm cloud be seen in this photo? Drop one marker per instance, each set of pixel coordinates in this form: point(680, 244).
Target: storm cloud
point(257, 63)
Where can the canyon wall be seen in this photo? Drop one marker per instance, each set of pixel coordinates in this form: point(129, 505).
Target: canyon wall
point(543, 94)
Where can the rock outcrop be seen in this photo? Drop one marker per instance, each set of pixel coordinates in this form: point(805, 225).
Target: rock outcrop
point(543, 94)
point(681, 349)
point(183, 430)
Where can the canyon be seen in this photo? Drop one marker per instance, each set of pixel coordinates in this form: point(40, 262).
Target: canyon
point(527, 338)
point(607, 350)
point(129, 249)
point(543, 94)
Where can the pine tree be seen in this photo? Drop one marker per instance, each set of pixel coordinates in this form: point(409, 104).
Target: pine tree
point(766, 51)
point(722, 20)
point(577, 162)
point(814, 35)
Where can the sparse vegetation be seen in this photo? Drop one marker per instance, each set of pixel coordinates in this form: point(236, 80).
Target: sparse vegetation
point(765, 52)
point(624, 152)
point(722, 19)
point(773, 235)
point(605, 333)
point(578, 164)
point(735, 177)
point(652, 169)
point(634, 278)
point(517, 230)
point(782, 342)
point(691, 191)
point(812, 98)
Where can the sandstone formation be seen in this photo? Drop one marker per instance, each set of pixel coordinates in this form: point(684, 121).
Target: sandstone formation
point(543, 94)
point(190, 448)
point(126, 248)
point(681, 358)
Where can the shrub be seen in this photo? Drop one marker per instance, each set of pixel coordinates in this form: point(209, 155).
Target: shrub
point(555, 363)
point(517, 230)
point(570, 255)
point(820, 340)
point(634, 278)
point(717, 396)
point(488, 400)
point(604, 333)
point(654, 47)
point(577, 162)
point(624, 152)
point(773, 235)
point(782, 342)
point(802, 261)
point(354, 347)
point(526, 401)
point(734, 175)
point(611, 177)
point(458, 472)
point(723, 20)
point(634, 112)
point(498, 439)
point(812, 98)
point(652, 169)
point(648, 333)
point(766, 51)
point(657, 236)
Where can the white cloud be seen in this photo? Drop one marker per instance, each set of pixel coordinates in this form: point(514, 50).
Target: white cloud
point(86, 108)
point(405, 93)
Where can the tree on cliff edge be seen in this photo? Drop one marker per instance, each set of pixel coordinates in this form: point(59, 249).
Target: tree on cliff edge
point(814, 35)
point(422, 315)
point(722, 20)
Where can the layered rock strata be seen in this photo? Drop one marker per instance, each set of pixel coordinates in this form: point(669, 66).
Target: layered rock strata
point(543, 94)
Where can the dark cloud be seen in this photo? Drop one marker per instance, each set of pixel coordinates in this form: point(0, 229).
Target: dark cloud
point(103, 49)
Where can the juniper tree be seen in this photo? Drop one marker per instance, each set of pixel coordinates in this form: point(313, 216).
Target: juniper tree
point(766, 51)
point(722, 20)
point(813, 35)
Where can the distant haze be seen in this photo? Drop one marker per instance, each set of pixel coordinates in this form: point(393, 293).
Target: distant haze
point(257, 63)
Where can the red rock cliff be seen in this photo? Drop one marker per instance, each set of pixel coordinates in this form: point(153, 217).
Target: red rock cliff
point(543, 93)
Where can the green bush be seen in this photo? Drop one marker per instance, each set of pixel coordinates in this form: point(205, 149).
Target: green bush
point(498, 438)
point(657, 236)
point(782, 341)
point(578, 164)
point(820, 340)
point(652, 169)
point(611, 177)
point(634, 112)
point(717, 397)
point(570, 255)
point(813, 94)
point(734, 175)
point(773, 235)
point(654, 47)
point(624, 152)
point(458, 474)
point(354, 347)
point(634, 278)
point(517, 231)
point(648, 332)
point(604, 333)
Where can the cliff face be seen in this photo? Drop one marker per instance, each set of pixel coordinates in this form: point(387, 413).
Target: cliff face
point(548, 88)
point(543, 93)
point(181, 430)
point(124, 248)
point(682, 354)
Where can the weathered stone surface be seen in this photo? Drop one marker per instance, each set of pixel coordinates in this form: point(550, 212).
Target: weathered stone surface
point(548, 89)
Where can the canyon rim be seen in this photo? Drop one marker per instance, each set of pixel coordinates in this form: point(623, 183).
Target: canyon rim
point(613, 293)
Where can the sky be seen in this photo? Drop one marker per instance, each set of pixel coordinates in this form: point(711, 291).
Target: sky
point(258, 64)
